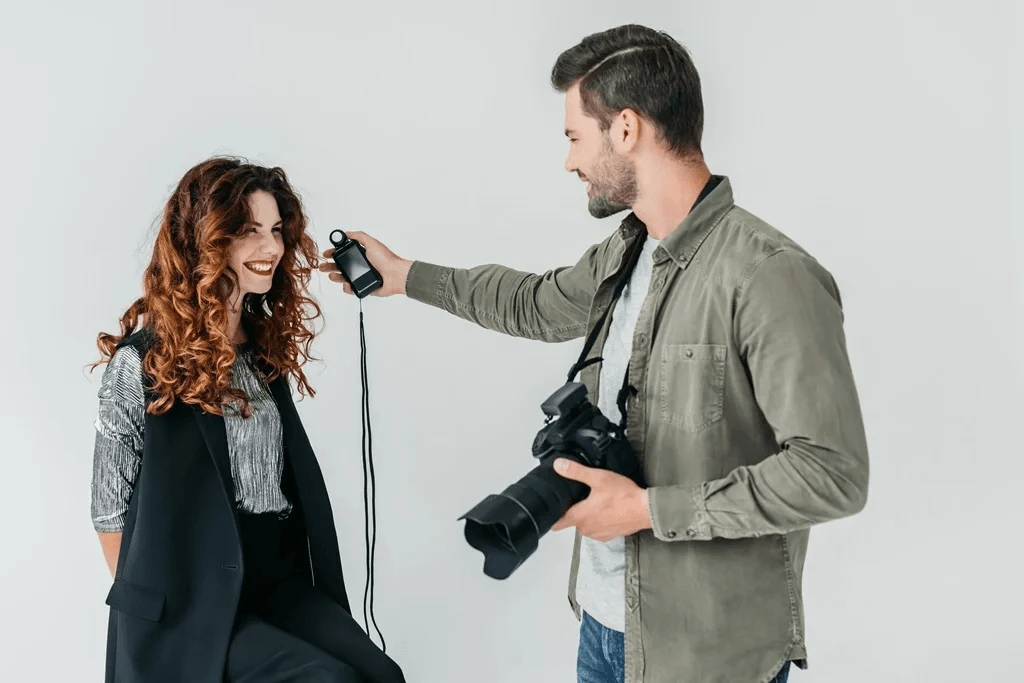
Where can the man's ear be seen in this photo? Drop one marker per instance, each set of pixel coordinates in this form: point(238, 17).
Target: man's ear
point(625, 131)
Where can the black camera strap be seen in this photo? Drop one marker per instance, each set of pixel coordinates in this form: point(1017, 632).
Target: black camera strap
point(627, 389)
point(620, 284)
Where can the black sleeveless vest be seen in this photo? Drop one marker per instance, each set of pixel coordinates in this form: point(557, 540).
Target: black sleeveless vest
point(179, 572)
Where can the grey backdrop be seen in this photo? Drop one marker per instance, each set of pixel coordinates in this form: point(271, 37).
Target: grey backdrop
point(432, 126)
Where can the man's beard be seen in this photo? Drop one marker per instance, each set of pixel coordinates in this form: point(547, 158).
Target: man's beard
point(614, 186)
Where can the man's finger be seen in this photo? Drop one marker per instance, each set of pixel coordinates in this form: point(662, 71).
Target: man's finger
point(570, 469)
point(328, 253)
point(563, 523)
point(568, 519)
point(338, 277)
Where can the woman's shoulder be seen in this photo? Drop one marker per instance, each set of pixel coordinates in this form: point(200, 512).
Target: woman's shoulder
point(140, 340)
point(124, 378)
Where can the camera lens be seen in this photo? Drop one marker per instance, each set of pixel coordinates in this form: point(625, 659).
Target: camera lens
point(507, 527)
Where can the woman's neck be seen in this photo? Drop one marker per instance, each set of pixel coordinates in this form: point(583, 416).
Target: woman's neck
point(236, 333)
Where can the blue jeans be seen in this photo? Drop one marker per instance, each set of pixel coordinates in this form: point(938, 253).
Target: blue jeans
point(601, 657)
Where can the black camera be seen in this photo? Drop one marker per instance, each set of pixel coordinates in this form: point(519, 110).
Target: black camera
point(507, 527)
point(350, 256)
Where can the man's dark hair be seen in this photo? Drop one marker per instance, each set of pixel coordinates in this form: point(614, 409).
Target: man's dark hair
point(636, 67)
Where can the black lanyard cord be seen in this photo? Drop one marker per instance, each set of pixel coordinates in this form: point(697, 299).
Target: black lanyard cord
point(369, 498)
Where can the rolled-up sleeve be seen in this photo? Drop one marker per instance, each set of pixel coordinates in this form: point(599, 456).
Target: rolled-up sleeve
point(117, 451)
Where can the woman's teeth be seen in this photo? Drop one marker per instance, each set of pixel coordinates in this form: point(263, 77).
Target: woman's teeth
point(259, 267)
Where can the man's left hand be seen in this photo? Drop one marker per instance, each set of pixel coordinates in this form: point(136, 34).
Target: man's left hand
point(615, 507)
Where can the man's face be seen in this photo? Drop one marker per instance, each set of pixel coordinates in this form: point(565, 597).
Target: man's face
point(610, 177)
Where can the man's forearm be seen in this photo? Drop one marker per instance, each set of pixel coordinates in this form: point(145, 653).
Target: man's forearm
point(499, 299)
point(794, 489)
point(553, 306)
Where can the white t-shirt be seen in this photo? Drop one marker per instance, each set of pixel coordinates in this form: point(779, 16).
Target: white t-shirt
point(600, 581)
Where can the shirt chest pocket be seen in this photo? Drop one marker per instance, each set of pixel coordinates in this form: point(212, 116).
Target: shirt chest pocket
point(692, 387)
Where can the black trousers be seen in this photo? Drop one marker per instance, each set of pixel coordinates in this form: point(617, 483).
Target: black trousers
point(288, 631)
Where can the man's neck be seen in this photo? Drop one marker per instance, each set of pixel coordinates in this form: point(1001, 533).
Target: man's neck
point(668, 193)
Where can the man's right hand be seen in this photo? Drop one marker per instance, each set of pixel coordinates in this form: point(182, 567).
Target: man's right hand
point(392, 268)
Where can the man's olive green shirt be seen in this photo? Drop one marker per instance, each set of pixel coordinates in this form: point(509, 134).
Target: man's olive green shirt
point(746, 418)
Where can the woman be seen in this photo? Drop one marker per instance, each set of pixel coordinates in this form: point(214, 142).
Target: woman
point(208, 500)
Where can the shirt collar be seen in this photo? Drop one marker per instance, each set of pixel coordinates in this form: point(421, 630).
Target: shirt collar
point(682, 243)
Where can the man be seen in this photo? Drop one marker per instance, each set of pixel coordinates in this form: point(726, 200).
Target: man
point(744, 410)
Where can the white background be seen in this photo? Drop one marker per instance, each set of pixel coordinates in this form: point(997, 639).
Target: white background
point(883, 136)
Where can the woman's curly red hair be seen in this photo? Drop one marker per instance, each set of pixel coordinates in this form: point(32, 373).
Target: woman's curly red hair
point(186, 284)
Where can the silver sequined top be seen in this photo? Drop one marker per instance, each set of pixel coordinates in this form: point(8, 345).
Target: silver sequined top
point(255, 444)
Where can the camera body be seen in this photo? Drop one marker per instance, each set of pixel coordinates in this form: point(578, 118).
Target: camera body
point(350, 257)
point(579, 431)
point(507, 527)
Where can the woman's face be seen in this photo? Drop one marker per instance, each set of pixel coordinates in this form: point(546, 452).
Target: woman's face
point(256, 252)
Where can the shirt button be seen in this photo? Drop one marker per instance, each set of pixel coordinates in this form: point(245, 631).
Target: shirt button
point(691, 533)
point(670, 533)
point(689, 353)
